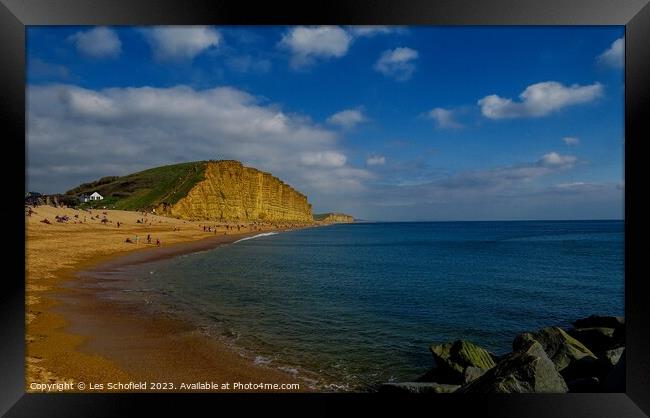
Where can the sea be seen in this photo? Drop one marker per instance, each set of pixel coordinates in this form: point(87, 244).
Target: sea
point(349, 306)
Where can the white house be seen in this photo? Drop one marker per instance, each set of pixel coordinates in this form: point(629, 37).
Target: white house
point(96, 196)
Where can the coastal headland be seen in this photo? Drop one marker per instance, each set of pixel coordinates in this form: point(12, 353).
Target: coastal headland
point(73, 336)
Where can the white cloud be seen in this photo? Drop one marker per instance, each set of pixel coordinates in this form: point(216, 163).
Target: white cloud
point(323, 159)
point(308, 43)
point(181, 42)
point(444, 118)
point(99, 42)
point(498, 192)
point(500, 177)
point(348, 118)
point(77, 135)
point(570, 140)
point(376, 160)
point(539, 99)
point(553, 159)
point(614, 56)
point(368, 31)
point(397, 63)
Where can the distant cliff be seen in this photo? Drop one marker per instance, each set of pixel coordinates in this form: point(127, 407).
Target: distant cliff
point(214, 190)
point(231, 191)
point(333, 218)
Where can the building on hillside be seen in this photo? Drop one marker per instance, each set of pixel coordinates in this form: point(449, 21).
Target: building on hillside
point(96, 196)
point(83, 198)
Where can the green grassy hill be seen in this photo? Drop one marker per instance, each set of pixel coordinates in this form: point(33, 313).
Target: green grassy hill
point(145, 189)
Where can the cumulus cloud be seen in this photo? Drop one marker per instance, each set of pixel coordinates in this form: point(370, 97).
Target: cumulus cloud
point(398, 63)
point(614, 56)
point(538, 100)
point(77, 135)
point(347, 119)
point(99, 42)
point(376, 160)
point(557, 160)
point(444, 118)
point(181, 42)
point(570, 140)
point(309, 43)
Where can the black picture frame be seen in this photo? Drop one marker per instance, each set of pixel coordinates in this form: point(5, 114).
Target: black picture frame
point(15, 15)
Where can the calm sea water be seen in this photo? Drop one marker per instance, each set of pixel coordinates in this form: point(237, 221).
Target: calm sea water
point(357, 304)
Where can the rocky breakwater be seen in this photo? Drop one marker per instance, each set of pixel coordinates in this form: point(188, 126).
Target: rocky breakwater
point(589, 357)
point(232, 192)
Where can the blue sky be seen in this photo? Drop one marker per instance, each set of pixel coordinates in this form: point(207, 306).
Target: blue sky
point(385, 123)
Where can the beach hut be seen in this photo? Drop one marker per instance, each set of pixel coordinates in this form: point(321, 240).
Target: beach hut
point(96, 196)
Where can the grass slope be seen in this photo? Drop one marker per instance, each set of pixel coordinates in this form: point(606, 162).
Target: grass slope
point(145, 189)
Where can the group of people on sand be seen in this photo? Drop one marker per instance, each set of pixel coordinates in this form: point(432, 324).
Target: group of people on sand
point(137, 240)
point(251, 226)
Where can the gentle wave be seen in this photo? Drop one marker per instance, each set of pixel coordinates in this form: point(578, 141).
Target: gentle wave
point(266, 234)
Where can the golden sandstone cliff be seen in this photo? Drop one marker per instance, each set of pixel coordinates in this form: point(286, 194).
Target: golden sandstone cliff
point(232, 192)
point(334, 218)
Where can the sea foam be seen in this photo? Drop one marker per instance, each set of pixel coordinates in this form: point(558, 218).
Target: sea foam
point(266, 234)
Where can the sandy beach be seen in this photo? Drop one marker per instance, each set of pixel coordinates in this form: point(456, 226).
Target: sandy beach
point(73, 336)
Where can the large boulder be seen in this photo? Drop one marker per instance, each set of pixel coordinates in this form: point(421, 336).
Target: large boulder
point(417, 387)
point(612, 357)
point(598, 339)
point(453, 358)
point(569, 355)
point(472, 373)
point(528, 370)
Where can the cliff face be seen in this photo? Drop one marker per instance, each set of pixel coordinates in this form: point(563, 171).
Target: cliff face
point(334, 218)
point(232, 192)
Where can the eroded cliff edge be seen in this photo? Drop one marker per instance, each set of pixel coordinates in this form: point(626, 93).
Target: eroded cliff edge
point(333, 218)
point(232, 192)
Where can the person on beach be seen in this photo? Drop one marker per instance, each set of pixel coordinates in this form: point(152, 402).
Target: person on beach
point(158, 242)
point(118, 224)
point(148, 238)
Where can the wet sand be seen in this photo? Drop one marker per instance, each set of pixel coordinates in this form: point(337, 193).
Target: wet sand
point(74, 336)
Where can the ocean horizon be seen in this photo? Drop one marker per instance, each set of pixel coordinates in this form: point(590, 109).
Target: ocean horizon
point(349, 306)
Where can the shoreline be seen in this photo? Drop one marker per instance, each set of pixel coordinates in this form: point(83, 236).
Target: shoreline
point(63, 320)
point(87, 286)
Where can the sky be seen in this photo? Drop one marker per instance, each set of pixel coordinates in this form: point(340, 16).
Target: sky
point(386, 123)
